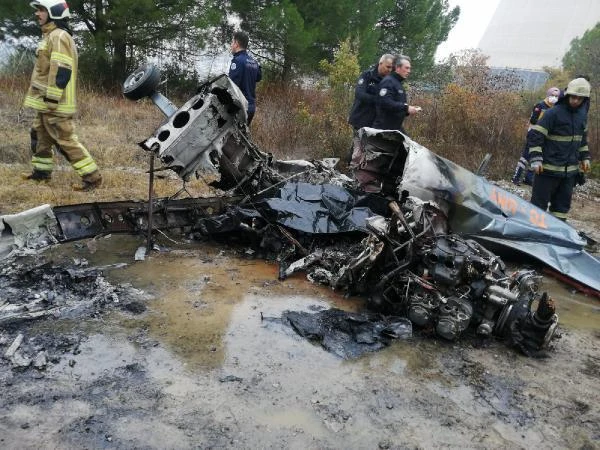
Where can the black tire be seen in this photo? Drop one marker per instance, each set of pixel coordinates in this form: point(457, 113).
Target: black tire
point(142, 82)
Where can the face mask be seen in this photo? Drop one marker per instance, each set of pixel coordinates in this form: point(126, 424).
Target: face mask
point(552, 99)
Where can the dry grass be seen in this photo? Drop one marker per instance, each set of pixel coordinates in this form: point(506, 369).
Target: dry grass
point(17, 194)
point(291, 122)
point(282, 124)
point(109, 127)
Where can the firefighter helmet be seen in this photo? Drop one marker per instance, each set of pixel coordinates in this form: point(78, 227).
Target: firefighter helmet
point(579, 87)
point(57, 9)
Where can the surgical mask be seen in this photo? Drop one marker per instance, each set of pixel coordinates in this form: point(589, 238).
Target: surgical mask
point(552, 99)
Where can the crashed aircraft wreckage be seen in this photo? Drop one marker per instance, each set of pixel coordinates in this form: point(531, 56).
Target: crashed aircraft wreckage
point(416, 245)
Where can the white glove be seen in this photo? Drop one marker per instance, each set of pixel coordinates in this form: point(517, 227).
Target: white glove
point(585, 165)
point(536, 166)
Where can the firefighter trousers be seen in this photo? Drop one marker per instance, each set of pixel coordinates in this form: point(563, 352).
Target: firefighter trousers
point(49, 130)
point(554, 190)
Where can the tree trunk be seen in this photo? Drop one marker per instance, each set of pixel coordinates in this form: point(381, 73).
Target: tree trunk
point(119, 60)
point(286, 73)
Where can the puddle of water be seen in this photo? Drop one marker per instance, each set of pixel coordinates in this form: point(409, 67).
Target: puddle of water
point(574, 310)
point(411, 357)
point(213, 315)
point(195, 287)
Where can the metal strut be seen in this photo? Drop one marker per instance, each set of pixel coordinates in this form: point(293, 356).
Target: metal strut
point(149, 243)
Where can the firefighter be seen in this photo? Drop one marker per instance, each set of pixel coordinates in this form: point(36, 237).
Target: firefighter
point(392, 104)
point(52, 95)
point(558, 149)
point(522, 169)
point(362, 112)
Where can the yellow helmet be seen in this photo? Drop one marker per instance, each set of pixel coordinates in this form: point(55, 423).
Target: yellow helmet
point(579, 87)
point(57, 9)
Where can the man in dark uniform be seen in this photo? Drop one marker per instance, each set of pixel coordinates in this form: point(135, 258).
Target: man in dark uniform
point(522, 169)
point(244, 71)
point(362, 112)
point(392, 105)
point(558, 149)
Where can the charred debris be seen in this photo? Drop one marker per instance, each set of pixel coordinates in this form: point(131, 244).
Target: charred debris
point(408, 246)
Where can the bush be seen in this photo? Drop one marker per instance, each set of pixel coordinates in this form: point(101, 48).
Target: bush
point(282, 122)
point(309, 122)
point(471, 116)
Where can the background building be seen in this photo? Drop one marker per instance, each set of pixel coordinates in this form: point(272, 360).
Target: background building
point(531, 34)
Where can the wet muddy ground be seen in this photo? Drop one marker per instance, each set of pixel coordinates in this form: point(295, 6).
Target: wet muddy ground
point(199, 363)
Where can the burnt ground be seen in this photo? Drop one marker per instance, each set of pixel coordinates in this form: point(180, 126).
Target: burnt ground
point(181, 351)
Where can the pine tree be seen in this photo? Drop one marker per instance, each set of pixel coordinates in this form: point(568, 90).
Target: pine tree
point(114, 36)
point(583, 57)
point(416, 28)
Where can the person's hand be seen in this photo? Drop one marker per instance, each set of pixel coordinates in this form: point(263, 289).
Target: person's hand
point(414, 109)
point(585, 165)
point(536, 166)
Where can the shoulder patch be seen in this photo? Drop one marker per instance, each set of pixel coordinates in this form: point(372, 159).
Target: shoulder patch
point(361, 81)
point(233, 66)
point(382, 92)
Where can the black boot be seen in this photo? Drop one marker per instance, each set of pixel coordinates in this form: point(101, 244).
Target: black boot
point(37, 175)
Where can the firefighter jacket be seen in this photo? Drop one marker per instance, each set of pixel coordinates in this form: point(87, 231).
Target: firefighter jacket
point(392, 103)
point(245, 72)
point(538, 111)
point(559, 139)
point(54, 76)
point(536, 115)
point(362, 113)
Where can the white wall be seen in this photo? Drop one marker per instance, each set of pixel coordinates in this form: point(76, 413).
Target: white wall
point(531, 34)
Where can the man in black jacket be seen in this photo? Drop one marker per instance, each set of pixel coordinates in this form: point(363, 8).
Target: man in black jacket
point(392, 105)
point(362, 113)
point(558, 149)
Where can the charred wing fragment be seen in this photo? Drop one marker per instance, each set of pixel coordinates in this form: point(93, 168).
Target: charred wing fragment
point(348, 335)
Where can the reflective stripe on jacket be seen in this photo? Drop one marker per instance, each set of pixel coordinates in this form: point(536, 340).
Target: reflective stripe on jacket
point(559, 139)
point(54, 77)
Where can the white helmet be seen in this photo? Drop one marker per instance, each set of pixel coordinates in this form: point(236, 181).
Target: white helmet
point(579, 87)
point(57, 9)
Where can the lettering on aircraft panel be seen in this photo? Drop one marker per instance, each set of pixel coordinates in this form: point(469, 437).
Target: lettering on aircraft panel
point(512, 206)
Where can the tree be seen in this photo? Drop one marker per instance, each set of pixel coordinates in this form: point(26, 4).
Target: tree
point(364, 30)
point(583, 57)
point(17, 20)
point(344, 70)
point(416, 28)
point(114, 35)
point(277, 32)
point(295, 35)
